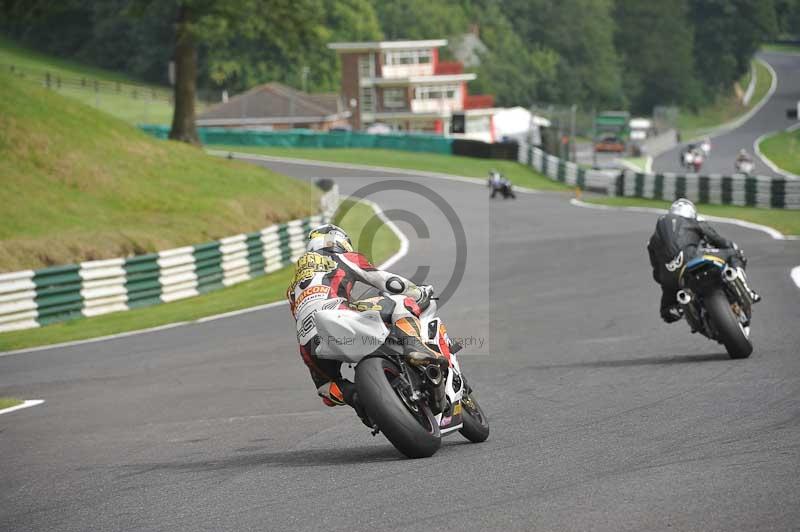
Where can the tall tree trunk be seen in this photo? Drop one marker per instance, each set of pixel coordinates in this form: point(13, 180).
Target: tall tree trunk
point(183, 118)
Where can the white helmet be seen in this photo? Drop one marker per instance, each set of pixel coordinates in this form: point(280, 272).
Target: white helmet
point(329, 237)
point(685, 208)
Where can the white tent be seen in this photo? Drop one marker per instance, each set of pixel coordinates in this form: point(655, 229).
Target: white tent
point(515, 122)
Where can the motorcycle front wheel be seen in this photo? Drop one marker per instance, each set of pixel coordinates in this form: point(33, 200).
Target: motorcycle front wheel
point(476, 425)
point(730, 330)
point(410, 426)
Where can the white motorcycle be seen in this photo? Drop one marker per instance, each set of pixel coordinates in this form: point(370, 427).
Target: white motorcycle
point(414, 398)
point(745, 167)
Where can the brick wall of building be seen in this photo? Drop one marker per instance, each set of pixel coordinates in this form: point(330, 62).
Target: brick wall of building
point(350, 86)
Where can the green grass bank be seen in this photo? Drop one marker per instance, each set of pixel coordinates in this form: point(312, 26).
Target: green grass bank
point(8, 402)
point(117, 94)
point(259, 291)
point(79, 185)
point(783, 149)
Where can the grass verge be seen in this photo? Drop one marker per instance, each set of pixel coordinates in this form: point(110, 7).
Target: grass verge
point(784, 48)
point(725, 108)
point(258, 291)
point(784, 220)
point(78, 184)
point(425, 162)
point(138, 108)
point(638, 162)
point(8, 402)
point(783, 149)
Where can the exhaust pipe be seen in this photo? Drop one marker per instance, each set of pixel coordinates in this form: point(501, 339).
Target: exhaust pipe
point(730, 274)
point(683, 297)
point(434, 374)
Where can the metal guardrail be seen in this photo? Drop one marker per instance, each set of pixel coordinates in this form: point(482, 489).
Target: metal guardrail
point(564, 171)
point(33, 298)
point(741, 190)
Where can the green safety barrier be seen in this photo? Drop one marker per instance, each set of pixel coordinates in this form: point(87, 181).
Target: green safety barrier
point(301, 138)
point(33, 298)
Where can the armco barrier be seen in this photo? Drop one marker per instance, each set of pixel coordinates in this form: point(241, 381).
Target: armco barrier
point(313, 139)
point(39, 297)
point(758, 191)
point(565, 171)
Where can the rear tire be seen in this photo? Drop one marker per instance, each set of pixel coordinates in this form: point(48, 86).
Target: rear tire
point(727, 325)
point(476, 425)
point(415, 434)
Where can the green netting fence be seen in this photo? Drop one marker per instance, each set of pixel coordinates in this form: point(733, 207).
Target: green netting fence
point(301, 138)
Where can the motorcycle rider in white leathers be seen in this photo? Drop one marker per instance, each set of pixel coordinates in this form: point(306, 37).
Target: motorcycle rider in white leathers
point(324, 277)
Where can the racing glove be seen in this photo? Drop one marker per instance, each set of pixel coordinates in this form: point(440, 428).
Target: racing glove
point(425, 295)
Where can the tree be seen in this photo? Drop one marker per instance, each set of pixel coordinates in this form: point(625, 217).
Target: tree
point(212, 24)
point(655, 46)
point(515, 72)
point(581, 32)
point(421, 19)
point(726, 35)
point(787, 13)
point(296, 56)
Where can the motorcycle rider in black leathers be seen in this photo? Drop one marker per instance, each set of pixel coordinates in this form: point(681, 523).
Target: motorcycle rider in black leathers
point(679, 237)
point(324, 276)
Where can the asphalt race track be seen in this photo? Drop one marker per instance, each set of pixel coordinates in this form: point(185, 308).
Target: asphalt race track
point(603, 417)
point(771, 117)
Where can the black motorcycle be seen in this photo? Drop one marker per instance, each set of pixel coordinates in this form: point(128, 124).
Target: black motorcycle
point(716, 303)
point(503, 187)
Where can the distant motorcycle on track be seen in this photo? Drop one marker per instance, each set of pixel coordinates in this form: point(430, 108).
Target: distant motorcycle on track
point(697, 161)
point(500, 184)
point(744, 167)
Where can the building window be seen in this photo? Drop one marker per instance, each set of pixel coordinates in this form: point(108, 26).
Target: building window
point(407, 57)
point(422, 126)
point(394, 98)
point(366, 67)
point(367, 100)
point(436, 92)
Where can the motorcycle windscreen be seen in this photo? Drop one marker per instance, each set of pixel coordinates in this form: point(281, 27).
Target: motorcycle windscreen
point(349, 336)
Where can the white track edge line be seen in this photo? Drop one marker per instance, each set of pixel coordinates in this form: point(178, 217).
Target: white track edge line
point(774, 233)
point(735, 123)
point(363, 167)
point(92, 340)
point(404, 244)
point(771, 231)
point(751, 87)
point(766, 160)
point(773, 86)
point(795, 274)
point(25, 404)
point(402, 252)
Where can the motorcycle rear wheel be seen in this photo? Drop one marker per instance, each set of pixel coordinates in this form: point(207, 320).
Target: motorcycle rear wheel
point(727, 325)
point(410, 427)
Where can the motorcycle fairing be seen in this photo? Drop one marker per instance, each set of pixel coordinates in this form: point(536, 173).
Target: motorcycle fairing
point(697, 261)
point(349, 336)
point(438, 340)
